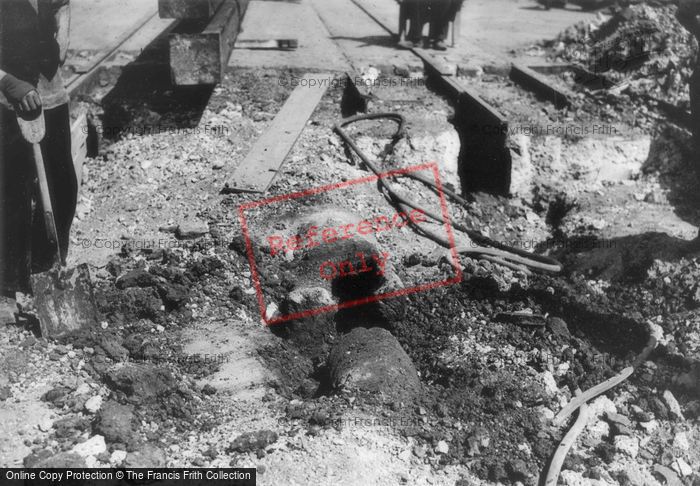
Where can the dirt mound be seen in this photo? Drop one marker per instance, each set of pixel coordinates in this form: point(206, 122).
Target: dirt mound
point(141, 383)
point(642, 45)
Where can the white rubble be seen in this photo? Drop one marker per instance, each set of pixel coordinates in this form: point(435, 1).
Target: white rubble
point(92, 447)
point(93, 404)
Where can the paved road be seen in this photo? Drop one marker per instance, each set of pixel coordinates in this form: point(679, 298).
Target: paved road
point(96, 24)
point(491, 29)
point(499, 26)
point(279, 20)
point(334, 33)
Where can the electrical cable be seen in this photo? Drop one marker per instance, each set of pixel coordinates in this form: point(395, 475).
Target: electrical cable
point(485, 247)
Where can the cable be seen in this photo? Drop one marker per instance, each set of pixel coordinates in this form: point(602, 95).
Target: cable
point(487, 248)
point(608, 384)
point(565, 445)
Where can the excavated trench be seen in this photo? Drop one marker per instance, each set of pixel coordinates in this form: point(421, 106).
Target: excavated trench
point(444, 358)
point(477, 372)
point(486, 383)
point(499, 392)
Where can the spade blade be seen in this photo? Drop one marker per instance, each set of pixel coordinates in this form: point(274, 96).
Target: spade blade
point(64, 300)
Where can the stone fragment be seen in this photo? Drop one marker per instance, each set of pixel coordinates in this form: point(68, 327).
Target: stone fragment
point(668, 476)
point(626, 445)
point(616, 418)
point(680, 440)
point(419, 451)
point(442, 447)
point(522, 170)
point(93, 404)
point(45, 425)
point(573, 478)
point(674, 408)
point(619, 429)
point(253, 441)
point(62, 460)
point(92, 447)
point(115, 422)
point(36, 457)
point(550, 383)
point(141, 382)
point(136, 278)
point(650, 426)
point(682, 467)
point(191, 229)
point(690, 380)
point(117, 457)
point(517, 470)
point(558, 327)
point(148, 456)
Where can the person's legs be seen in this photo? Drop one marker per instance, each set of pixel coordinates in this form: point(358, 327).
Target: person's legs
point(60, 172)
point(416, 16)
point(16, 176)
point(442, 12)
point(439, 20)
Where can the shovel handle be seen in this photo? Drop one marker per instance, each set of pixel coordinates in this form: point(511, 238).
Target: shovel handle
point(45, 197)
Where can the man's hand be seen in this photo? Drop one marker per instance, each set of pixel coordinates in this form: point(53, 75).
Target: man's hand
point(21, 94)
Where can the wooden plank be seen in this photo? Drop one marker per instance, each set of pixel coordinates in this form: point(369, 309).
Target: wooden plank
point(198, 58)
point(475, 104)
point(283, 44)
point(264, 161)
point(552, 68)
point(438, 65)
point(188, 9)
point(540, 85)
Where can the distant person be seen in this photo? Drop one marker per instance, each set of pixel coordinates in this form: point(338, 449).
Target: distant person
point(442, 12)
point(33, 45)
point(438, 12)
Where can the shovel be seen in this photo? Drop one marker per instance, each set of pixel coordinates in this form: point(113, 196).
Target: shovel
point(63, 298)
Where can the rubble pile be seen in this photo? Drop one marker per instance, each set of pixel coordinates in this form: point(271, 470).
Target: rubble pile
point(642, 50)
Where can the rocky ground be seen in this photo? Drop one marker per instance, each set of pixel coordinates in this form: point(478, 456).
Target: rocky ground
point(633, 61)
point(454, 385)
